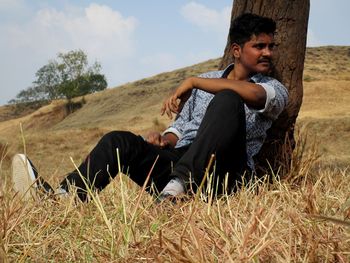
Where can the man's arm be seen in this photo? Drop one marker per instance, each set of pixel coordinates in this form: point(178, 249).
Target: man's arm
point(253, 95)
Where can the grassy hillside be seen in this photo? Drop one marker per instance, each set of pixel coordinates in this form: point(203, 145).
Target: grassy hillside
point(325, 112)
point(304, 218)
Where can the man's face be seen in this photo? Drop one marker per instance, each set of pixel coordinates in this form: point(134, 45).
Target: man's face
point(256, 54)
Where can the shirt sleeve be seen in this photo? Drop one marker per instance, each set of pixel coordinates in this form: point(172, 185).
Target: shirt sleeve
point(276, 97)
point(181, 119)
point(185, 118)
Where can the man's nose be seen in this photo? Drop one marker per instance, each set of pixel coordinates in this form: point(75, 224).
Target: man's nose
point(267, 52)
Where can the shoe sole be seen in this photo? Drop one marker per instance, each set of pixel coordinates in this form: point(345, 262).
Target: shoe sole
point(23, 177)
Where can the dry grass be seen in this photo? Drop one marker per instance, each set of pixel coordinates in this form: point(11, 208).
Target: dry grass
point(302, 218)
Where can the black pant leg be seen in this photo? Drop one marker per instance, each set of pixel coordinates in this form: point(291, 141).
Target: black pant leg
point(223, 133)
point(136, 156)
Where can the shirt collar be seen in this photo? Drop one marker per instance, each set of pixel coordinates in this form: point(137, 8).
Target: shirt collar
point(228, 69)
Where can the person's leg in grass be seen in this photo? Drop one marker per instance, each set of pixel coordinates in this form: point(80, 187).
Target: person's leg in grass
point(135, 158)
point(222, 133)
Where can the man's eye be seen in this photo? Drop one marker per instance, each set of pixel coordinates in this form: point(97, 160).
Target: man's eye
point(272, 46)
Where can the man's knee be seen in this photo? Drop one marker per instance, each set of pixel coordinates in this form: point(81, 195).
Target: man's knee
point(117, 136)
point(228, 96)
point(229, 100)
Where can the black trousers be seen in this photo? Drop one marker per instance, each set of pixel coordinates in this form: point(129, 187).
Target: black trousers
point(222, 133)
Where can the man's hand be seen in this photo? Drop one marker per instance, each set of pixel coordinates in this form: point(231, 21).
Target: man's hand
point(167, 140)
point(175, 102)
point(157, 139)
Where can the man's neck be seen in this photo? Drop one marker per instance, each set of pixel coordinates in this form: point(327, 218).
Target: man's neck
point(237, 73)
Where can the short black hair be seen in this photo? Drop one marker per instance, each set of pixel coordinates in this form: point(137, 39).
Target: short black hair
point(247, 25)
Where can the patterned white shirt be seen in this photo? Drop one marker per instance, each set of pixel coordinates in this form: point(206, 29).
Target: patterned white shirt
point(258, 122)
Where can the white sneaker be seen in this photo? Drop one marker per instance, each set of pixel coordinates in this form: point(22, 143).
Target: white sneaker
point(171, 191)
point(25, 178)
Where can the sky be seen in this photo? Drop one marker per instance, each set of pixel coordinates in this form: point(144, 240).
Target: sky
point(131, 39)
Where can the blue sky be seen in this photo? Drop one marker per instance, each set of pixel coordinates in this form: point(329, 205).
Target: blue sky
point(131, 39)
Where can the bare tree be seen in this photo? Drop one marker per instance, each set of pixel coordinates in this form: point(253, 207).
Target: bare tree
point(291, 17)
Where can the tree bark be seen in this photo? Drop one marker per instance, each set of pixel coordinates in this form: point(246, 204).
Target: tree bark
point(291, 17)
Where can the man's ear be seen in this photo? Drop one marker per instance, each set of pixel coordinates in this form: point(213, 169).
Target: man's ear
point(236, 50)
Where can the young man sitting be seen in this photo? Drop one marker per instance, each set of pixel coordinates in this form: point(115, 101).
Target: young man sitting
point(222, 113)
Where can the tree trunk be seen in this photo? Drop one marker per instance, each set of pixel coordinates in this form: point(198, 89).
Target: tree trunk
point(291, 17)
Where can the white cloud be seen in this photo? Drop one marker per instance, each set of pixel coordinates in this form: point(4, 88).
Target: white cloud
point(96, 29)
point(207, 19)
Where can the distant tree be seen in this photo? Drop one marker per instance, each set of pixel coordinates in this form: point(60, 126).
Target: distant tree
point(67, 77)
point(29, 95)
point(48, 80)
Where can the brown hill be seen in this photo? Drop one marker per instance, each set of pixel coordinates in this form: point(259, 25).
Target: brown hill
point(51, 135)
